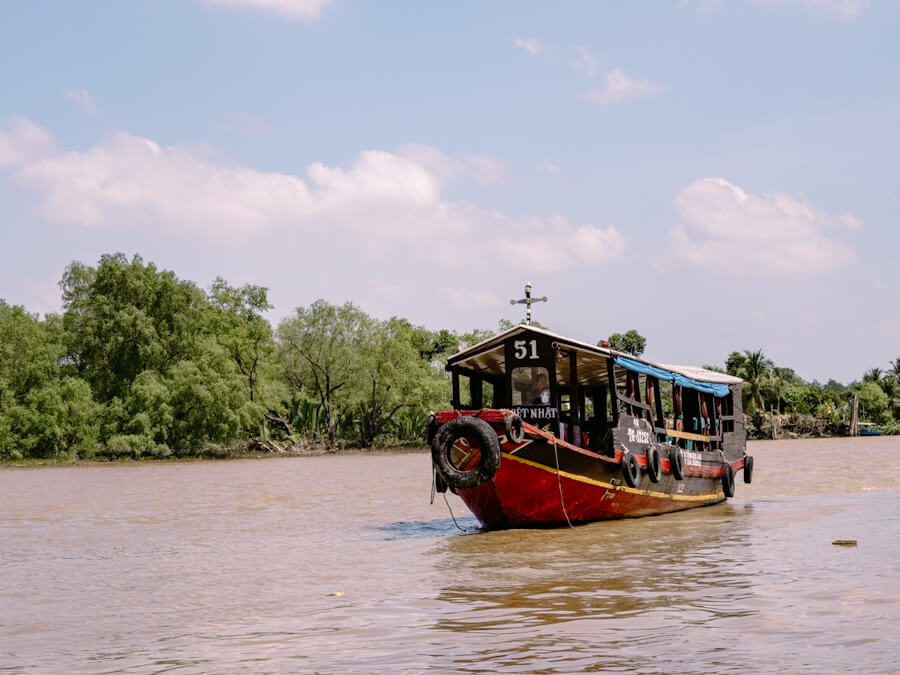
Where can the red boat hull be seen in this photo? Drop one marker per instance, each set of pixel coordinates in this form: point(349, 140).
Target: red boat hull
point(543, 481)
point(528, 494)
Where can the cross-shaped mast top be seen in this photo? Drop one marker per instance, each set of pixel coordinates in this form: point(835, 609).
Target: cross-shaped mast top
point(527, 300)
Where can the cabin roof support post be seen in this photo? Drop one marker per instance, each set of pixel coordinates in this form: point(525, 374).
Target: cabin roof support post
point(476, 392)
point(613, 391)
point(660, 422)
point(574, 395)
point(454, 376)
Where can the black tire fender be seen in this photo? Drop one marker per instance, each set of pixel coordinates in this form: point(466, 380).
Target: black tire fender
point(748, 469)
point(654, 470)
point(676, 463)
point(515, 430)
point(728, 481)
point(631, 471)
point(473, 429)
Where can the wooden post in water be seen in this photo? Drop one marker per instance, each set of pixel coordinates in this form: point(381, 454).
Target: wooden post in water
point(854, 416)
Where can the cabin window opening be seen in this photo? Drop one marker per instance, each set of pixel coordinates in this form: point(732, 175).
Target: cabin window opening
point(530, 386)
point(487, 393)
point(654, 400)
point(588, 407)
point(465, 393)
point(566, 416)
point(565, 403)
point(597, 428)
point(728, 413)
point(690, 402)
point(633, 392)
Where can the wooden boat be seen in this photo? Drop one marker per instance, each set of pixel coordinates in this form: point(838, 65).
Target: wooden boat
point(869, 429)
point(546, 431)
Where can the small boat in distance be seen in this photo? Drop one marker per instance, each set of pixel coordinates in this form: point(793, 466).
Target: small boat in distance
point(869, 429)
point(546, 430)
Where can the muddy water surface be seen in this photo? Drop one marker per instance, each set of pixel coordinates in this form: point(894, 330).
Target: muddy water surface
point(340, 565)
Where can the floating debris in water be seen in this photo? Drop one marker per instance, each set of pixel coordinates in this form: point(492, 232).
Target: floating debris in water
point(340, 593)
point(844, 542)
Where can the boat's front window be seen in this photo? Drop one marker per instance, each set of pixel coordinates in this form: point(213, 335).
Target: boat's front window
point(530, 386)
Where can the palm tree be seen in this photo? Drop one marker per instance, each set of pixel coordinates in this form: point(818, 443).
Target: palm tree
point(873, 375)
point(756, 370)
point(895, 369)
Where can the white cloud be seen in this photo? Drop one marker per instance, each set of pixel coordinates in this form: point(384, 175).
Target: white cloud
point(844, 9)
point(84, 100)
point(468, 299)
point(380, 202)
point(549, 167)
point(620, 87)
point(585, 63)
point(557, 245)
point(727, 230)
point(480, 168)
point(292, 9)
point(850, 221)
point(530, 46)
point(23, 140)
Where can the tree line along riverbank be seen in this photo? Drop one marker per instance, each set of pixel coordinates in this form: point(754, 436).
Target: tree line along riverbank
point(142, 364)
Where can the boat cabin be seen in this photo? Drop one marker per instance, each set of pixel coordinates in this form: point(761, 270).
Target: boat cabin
point(586, 395)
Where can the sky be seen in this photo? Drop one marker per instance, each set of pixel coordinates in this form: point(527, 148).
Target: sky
point(718, 175)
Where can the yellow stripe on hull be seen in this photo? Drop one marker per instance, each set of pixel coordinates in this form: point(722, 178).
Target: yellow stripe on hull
point(712, 496)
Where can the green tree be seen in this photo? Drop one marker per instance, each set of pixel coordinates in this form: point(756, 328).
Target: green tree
point(319, 355)
point(123, 318)
point(241, 329)
point(43, 411)
point(392, 377)
point(56, 419)
point(630, 342)
point(873, 402)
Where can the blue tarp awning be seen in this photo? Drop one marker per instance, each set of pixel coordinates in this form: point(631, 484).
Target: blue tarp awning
point(662, 374)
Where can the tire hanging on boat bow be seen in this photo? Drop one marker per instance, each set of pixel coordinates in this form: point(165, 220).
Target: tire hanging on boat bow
point(631, 472)
point(478, 433)
point(728, 480)
point(676, 463)
point(748, 469)
point(515, 430)
point(654, 470)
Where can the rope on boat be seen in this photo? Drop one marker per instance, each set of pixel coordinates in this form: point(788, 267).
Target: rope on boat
point(433, 486)
point(559, 484)
point(452, 516)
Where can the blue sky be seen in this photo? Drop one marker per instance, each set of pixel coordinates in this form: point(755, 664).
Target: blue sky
point(718, 175)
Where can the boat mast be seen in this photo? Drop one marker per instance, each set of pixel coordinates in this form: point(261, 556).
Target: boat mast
point(527, 300)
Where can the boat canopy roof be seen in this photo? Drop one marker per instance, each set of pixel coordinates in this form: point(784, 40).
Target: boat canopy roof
point(488, 357)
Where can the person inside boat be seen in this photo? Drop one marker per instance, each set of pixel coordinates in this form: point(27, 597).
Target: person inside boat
point(541, 390)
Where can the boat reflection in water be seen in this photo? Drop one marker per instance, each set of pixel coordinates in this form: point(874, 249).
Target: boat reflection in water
point(607, 591)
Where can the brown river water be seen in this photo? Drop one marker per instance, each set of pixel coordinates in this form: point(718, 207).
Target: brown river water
point(340, 565)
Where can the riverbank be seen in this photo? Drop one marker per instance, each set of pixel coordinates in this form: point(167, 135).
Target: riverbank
point(245, 451)
point(794, 425)
point(786, 427)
